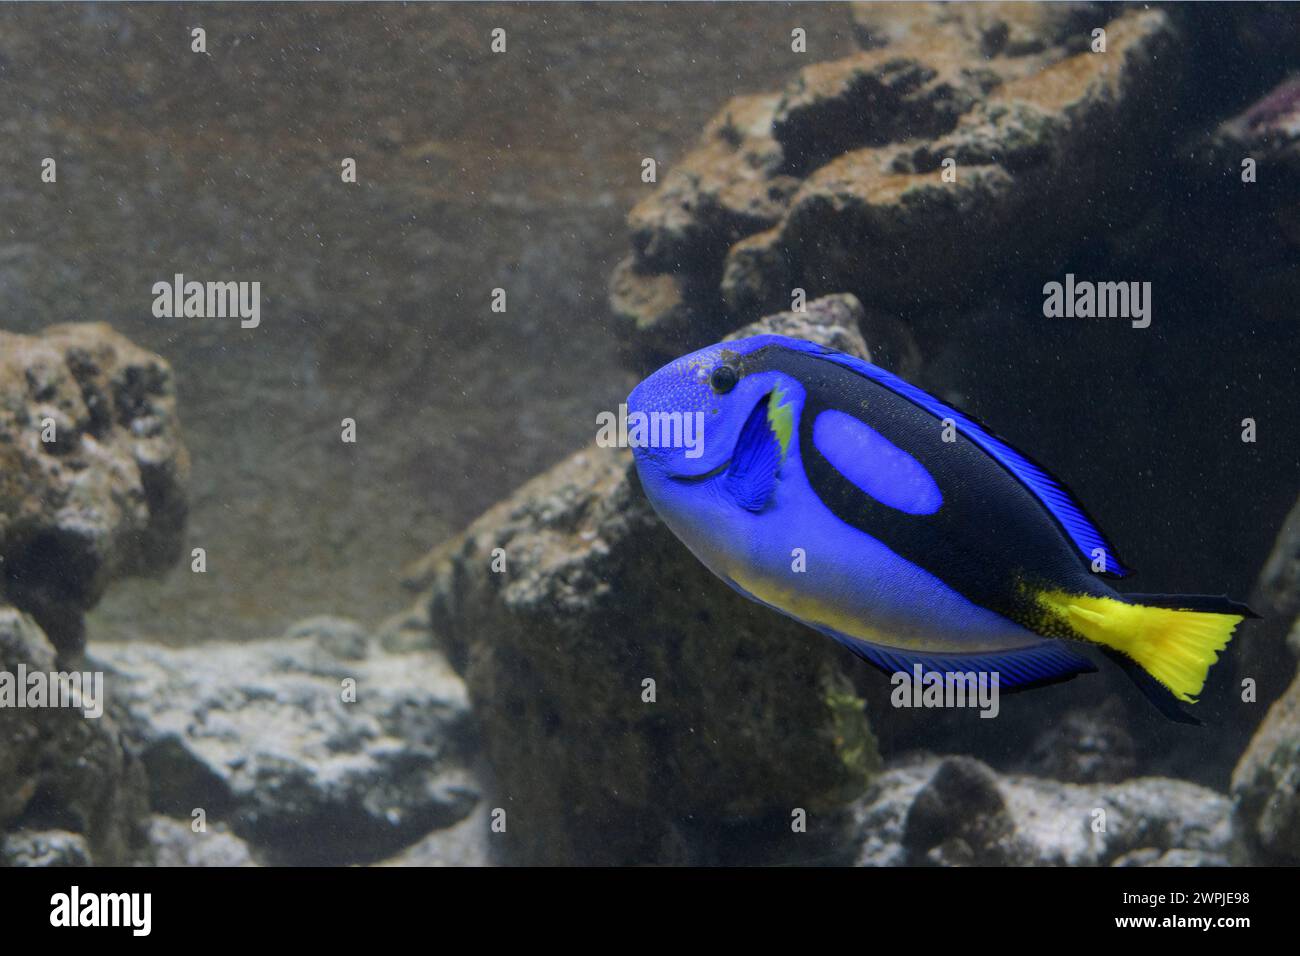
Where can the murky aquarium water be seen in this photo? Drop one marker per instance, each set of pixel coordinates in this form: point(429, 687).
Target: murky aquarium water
point(817, 435)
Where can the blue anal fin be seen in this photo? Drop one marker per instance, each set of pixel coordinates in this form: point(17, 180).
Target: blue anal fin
point(751, 479)
point(1048, 662)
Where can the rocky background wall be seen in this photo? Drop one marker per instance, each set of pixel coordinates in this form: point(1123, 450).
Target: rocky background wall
point(517, 696)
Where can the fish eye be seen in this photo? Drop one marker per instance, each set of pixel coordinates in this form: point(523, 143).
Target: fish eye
point(723, 379)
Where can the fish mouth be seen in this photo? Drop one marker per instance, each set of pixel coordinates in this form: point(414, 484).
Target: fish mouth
point(705, 476)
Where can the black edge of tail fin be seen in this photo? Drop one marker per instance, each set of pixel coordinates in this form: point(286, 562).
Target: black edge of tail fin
point(1208, 603)
point(1160, 696)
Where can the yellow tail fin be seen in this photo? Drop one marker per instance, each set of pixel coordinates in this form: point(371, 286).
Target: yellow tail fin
point(1175, 647)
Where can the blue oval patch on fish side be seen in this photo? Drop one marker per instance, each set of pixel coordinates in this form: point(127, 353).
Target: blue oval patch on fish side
point(875, 464)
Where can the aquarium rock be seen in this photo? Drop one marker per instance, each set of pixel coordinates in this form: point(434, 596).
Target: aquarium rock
point(911, 173)
point(309, 755)
point(1266, 783)
point(92, 471)
point(62, 771)
point(467, 843)
point(178, 843)
point(1149, 856)
point(957, 811)
point(44, 848)
point(1277, 593)
point(1266, 664)
point(1267, 131)
point(625, 697)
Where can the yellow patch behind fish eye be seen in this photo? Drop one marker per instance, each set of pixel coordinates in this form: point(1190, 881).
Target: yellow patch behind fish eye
point(781, 418)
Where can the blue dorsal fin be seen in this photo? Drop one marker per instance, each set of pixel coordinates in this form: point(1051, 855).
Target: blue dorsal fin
point(1020, 669)
point(1069, 514)
point(751, 479)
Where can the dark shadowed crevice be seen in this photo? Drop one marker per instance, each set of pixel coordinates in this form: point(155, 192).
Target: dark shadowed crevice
point(52, 578)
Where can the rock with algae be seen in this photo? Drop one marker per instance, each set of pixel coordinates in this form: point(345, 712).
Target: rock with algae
point(44, 848)
point(1266, 782)
point(71, 788)
point(183, 843)
point(92, 487)
point(956, 811)
point(627, 696)
point(316, 747)
point(841, 181)
point(92, 471)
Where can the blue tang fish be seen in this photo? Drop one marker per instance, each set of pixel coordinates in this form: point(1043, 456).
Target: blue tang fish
point(925, 539)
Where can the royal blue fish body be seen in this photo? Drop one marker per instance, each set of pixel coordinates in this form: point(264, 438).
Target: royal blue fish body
point(842, 496)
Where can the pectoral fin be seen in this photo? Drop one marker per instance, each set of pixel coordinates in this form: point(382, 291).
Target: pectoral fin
point(751, 479)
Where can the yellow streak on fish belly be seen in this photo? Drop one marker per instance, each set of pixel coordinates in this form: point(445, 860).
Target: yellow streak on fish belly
point(812, 610)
